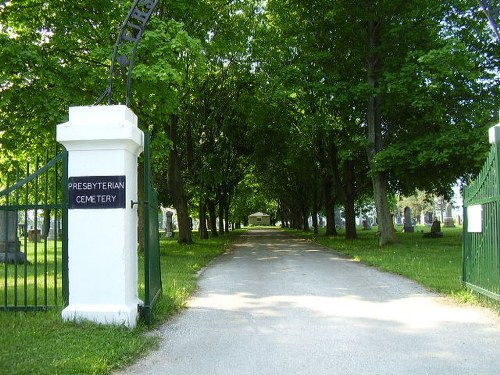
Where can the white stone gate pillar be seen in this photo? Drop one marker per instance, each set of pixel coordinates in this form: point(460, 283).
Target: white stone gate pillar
point(103, 144)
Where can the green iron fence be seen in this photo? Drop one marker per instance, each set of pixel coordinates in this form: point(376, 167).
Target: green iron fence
point(481, 245)
point(152, 268)
point(33, 238)
point(33, 233)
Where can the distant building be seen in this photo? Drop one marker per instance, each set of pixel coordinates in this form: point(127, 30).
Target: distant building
point(259, 218)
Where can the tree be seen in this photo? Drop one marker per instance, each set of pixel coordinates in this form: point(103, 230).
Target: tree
point(42, 45)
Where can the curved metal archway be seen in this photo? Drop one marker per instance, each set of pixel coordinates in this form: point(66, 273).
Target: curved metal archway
point(492, 11)
point(126, 45)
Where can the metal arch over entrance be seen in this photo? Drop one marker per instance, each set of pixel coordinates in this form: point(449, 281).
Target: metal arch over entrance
point(124, 51)
point(130, 34)
point(493, 13)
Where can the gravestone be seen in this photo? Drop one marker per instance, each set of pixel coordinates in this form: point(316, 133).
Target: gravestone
point(10, 246)
point(366, 223)
point(399, 218)
point(321, 221)
point(428, 218)
point(55, 227)
point(338, 219)
point(448, 219)
point(435, 230)
point(407, 222)
point(168, 224)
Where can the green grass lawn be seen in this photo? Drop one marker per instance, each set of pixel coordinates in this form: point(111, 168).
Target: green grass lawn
point(40, 343)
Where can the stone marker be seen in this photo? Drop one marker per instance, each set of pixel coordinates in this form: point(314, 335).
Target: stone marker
point(366, 224)
point(338, 219)
point(408, 225)
point(168, 224)
point(399, 217)
point(435, 230)
point(448, 219)
point(10, 246)
point(428, 218)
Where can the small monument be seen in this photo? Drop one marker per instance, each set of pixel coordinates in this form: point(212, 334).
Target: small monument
point(408, 225)
point(428, 218)
point(435, 230)
point(398, 218)
point(366, 223)
point(449, 222)
point(339, 223)
point(10, 246)
point(168, 224)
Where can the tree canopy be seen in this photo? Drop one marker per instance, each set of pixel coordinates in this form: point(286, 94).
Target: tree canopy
point(291, 107)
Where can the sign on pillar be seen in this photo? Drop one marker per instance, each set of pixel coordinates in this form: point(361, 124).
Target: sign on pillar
point(103, 144)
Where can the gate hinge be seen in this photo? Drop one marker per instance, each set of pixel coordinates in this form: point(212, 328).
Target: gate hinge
point(132, 203)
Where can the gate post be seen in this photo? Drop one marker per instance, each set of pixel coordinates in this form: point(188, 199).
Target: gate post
point(103, 144)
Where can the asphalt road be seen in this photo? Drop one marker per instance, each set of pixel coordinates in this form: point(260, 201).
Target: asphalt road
point(279, 305)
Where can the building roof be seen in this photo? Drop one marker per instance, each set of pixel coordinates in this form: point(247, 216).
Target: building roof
point(258, 214)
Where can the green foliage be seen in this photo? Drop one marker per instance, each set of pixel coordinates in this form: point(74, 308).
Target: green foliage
point(39, 342)
point(275, 87)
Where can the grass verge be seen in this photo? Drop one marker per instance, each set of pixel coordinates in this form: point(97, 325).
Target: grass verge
point(40, 343)
point(435, 263)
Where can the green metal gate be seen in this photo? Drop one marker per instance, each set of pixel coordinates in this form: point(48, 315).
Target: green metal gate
point(481, 245)
point(33, 233)
point(152, 268)
point(33, 238)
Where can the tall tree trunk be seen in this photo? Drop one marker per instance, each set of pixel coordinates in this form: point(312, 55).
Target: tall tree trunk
point(212, 217)
point(202, 212)
point(226, 215)
point(176, 185)
point(221, 214)
point(350, 198)
point(315, 209)
point(315, 219)
point(46, 223)
point(305, 219)
point(330, 176)
point(374, 124)
point(329, 209)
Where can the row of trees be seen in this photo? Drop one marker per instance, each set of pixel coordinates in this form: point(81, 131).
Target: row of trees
point(286, 106)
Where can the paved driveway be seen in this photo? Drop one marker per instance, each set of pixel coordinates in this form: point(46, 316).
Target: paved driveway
point(279, 305)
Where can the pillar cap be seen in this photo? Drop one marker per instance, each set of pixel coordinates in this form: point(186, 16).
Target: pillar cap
point(101, 127)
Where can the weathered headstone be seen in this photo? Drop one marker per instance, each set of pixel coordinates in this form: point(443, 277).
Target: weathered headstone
point(435, 229)
point(448, 219)
point(428, 218)
point(10, 246)
point(366, 223)
point(168, 224)
point(55, 227)
point(321, 221)
point(338, 219)
point(398, 218)
point(407, 222)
